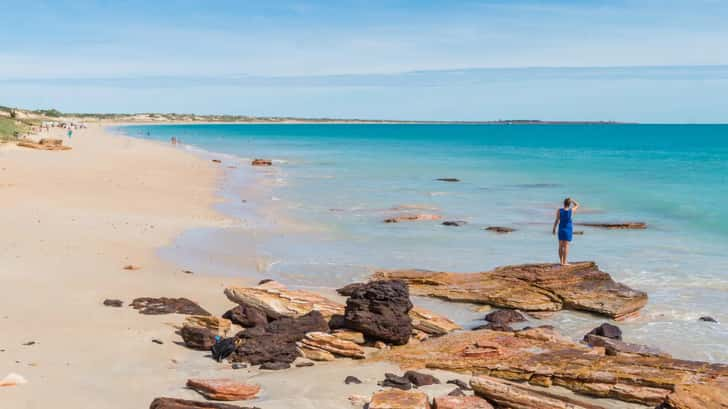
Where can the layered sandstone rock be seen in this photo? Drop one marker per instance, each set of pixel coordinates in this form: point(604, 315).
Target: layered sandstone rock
point(529, 287)
point(461, 402)
point(197, 337)
point(327, 342)
point(703, 396)
point(431, 323)
point(45, 144)
point(512, 395)
point(413, 218)
point(543, 357)
point(223, 389)
point(399, 399)
point(216, 324)
point(276, 300)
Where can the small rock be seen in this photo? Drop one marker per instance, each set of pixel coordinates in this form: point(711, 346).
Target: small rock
point(454, 223)
point(164, 305)
point(188, 272)
point(275, 366)
point(29, 343)
point(456, 392)
point(505, 317)
point(113, 303)
point(223, 389)
point(500, 229)
point(460, 384)
point(157, 341)
point(393, 381)
point(12, 379)
point(261, 162)
point(420, 379)
point(265, 281)
point(131, 267)
point(304, 364)
point(217, 160)
point(358, 400)
point(239, 365)
point(608, 331)
point(447, 180)
point(352, 379)
point(708, 319)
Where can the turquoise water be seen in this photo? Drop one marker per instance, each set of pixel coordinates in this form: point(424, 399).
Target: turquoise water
point(336, 183)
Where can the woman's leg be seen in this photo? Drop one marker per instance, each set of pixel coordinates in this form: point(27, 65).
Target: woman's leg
point(561, 252)
point(566, 253)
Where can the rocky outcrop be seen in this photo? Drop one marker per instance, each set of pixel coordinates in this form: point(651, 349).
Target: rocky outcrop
point(223, 389)
point(399, 399)
point(164, 305)
point(617, 226)
point(413, 218)
point(529, 287)
point(697, 396)
point(276, 300)
point(541, 356)
point(380, 310)
point(431, 323)
point(261, 162)
point(246, 316)
point(172, 403)
point(197, 337)
point(500, 229)
point(461, 402)
point(327, 342)
point(347, 335)
point(45, 144)
point(512, 395)
point(616, 347)
point(220, 326)
point(277, 341)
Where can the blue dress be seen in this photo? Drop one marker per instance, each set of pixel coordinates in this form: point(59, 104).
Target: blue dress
point(565, 225)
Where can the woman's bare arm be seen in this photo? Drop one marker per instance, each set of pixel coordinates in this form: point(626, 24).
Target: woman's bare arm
point(575, 205)
point(556, 222)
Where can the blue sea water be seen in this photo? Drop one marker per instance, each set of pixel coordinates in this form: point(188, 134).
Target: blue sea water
point(315, 217)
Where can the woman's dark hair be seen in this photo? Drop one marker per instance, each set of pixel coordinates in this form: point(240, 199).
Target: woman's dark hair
point(567, 202)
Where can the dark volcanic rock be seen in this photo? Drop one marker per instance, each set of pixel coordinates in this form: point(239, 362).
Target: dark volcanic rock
point(172, 403)
point(352, 379)
point(164, 305)
point(380, 310)
point(460, 384)
point(454, 223)
point(246, 316)
point(456, 392)
point(708, 319)
point(113, 303)
point(505, 317)
point(275, 366)
point(337, 321)
point(607, 331)
point(447, 180)
point(349, 289)
point(265, 280)
point(394, 381)
point(198, 337)
point(276, 342)
point(420, 379)
point(500, 229)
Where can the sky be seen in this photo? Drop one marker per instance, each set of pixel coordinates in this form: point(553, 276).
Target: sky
point(630, 60)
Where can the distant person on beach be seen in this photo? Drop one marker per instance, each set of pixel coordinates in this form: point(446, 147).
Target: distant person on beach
point(563, 220)
point(70, 133)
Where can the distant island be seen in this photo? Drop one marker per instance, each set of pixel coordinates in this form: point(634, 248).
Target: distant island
point(15, 122)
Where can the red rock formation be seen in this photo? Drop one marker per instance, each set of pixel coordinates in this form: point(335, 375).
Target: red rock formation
point(223, 389)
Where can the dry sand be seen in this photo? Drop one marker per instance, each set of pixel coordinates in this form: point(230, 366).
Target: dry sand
point(71, 220)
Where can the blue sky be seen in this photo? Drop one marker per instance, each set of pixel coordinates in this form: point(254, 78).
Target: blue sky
point(637, 60)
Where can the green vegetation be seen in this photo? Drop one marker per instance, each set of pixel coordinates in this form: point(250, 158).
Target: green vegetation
point(8, 128)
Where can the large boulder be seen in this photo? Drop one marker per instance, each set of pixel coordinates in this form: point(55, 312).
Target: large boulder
point(543, 357)
point(246, 316)
point(198, 337)
point(277, 301)
point(380, 310)
point(529, 287)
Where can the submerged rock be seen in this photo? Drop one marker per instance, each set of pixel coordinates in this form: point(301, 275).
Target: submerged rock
point(505, 317)
point(543, 357)
point(447, 180)
point(223, 389)
point(529, 287)
point(500, 229)
point(380, 310)
point(261, 162)
point(708, 319)
point(164, 305)
point(614, 226)
point(454, 223)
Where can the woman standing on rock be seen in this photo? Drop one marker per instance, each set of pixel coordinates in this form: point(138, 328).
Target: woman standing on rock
point(563, 220)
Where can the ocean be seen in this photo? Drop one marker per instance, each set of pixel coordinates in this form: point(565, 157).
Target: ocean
point(315, 218)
